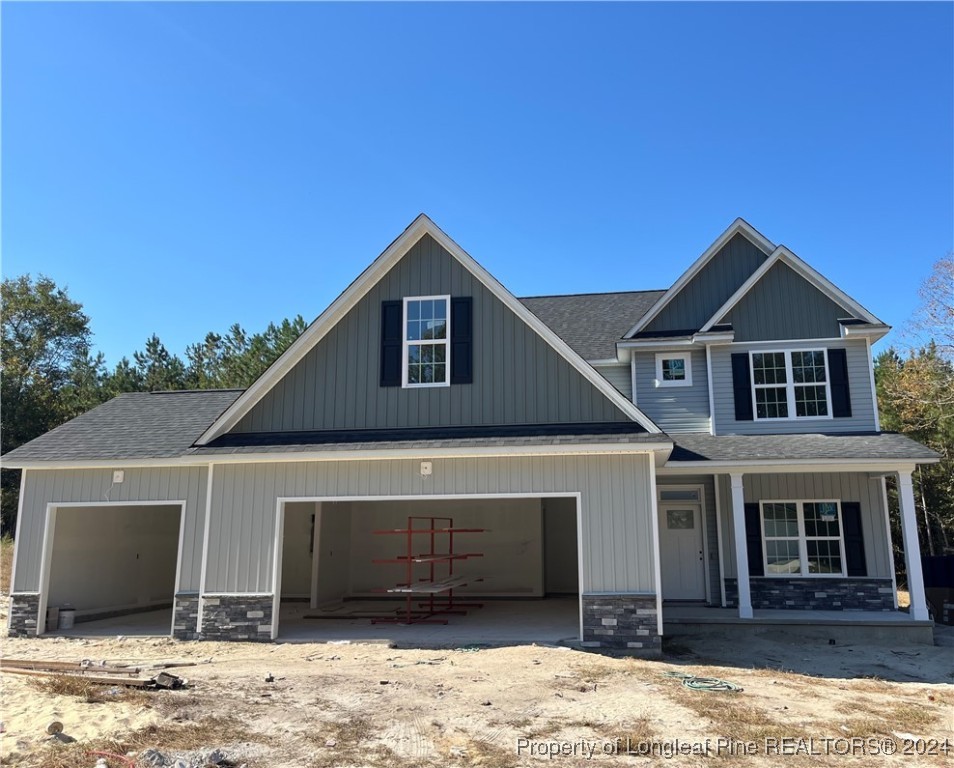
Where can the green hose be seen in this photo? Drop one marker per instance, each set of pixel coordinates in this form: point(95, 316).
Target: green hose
point(704, 683)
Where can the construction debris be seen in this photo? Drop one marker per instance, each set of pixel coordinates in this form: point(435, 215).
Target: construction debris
point(129, 677)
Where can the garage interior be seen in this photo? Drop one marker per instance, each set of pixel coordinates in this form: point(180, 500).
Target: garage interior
point(116, 566)
point(525, 579)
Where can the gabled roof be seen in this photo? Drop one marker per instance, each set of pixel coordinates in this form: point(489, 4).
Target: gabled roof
point(421, 226)
point(784, 256)
point(591, 323)
point(739, 226)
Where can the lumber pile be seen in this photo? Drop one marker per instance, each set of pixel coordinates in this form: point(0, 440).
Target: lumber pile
point(97, 674)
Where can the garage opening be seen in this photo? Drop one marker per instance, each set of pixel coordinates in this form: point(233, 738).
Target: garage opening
point(112, 569)
point(506, 572)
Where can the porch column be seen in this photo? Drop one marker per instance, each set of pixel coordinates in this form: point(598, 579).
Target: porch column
point(741, 549)
point(912, 548)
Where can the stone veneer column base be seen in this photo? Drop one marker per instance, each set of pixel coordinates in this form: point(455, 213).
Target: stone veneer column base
point(24, 612)
point(185, 616)
point(237, 617)
point(621, 622)
point(821, 594)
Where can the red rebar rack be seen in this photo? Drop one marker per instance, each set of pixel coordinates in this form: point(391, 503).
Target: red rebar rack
point(438, 586)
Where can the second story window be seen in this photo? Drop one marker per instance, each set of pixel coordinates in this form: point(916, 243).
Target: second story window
point(673, 369)
point(426, 341)
point(791, 384)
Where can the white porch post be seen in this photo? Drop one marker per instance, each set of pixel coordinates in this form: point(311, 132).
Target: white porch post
point(912, 548)
point(741, 550)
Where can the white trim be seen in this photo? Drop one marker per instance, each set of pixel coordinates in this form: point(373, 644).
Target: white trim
point(819, 281)
point(716, 484)
point(802, 539)
point(655, 343)
point(874, 389)
point(742, 577)
point(281, 501)
point(865, 331)
point(686, 358)
point(657, 565)
point(579, 555)
point(701, 504)
point(889, 539)
point(16, 541)
point(204, 568)
point(712, 420)
point(755, 466)
point(366, 280)
point(445, 342)
point(912, 547)
point(736, 227)
point(608, 362)
point(789, 385)
point(49, 531)
point(566, 449)
point(632, 375)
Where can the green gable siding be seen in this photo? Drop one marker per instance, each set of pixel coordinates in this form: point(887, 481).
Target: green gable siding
point(702, 296)
point(784, 305)
point(518, 377)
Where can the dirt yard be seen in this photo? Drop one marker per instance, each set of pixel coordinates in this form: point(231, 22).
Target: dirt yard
point(340, 705)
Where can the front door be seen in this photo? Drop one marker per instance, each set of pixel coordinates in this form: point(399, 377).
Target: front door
point(681, 552)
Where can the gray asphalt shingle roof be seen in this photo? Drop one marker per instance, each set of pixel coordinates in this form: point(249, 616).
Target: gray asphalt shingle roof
point(592, 323)
point(700, 446)
point(140, 425)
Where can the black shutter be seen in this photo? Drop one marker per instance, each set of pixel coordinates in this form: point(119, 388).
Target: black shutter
point(742, 386)
point(838, 376)
point(462, 340)
point(392, 318)
point(753, 539)
point(854, 543)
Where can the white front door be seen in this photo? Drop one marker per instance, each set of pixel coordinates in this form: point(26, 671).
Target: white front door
point(681, 551)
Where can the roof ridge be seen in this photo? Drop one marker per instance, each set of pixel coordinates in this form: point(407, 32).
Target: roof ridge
point(188, 391)
point(591, 293)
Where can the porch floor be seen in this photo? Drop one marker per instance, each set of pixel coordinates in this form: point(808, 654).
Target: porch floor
point(550, 620)
point(157, 623)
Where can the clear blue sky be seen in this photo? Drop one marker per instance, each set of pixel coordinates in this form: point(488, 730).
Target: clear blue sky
point(183, 167)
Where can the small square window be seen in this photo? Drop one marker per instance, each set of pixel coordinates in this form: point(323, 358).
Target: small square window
point(673, 369)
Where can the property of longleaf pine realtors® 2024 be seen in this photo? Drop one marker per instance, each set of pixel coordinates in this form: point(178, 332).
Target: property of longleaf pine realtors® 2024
point(781, 746)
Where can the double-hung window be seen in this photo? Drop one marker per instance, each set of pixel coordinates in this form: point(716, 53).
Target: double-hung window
point(791, 384)
point(426, 341)
point(803, 538)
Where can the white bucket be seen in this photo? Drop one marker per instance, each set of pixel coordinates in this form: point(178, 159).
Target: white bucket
point(67, 617)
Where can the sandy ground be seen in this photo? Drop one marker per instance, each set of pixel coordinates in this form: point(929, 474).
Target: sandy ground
point(357, 705)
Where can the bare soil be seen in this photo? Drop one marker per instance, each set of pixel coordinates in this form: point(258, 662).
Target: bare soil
point(341, 705)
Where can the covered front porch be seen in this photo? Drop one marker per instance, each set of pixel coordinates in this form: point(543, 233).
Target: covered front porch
point(800, 543)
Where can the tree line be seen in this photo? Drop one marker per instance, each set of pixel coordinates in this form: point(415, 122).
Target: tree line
point(50, 374)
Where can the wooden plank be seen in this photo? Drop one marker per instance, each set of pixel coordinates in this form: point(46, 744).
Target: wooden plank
point(67, 666)
point(129, 682)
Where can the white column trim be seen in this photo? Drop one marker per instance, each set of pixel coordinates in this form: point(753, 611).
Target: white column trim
point(204, 567)
point(912, 547)
point(716, 482)
point(741, 551)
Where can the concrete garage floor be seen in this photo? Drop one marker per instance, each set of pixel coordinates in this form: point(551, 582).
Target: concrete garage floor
point(156, 623)
point(499, 623)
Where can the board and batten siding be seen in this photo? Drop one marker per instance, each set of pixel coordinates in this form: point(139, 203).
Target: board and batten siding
point(159, 484)
point(518, 377)
point(617, 536)
point(862, 417)
point(674, 409)
point(620, 376)
point(711, 287)
point(844, 486)
point(672, 482)
point(784, 305)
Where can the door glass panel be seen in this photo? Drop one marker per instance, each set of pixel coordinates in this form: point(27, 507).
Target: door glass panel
point(677, 519)
point(680, 494)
